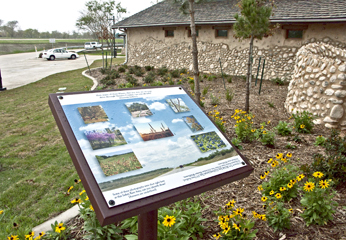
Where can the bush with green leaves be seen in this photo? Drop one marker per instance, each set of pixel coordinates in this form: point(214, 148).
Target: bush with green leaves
point(265, 136)
point(283, 128)
point(150, 77)
point(244, 125)
point(278, 81)
point(211, 77)
point(282, 178)
point(236, 142)
point(182, 71)
point(205, 90)
point(229, 79)
point(107, 81)
point(320, 140)
point(138, 72)
point(229, 95)
point(317, 200)
point(182, 221)
point(303, 121)
point(175, 73)
point(121, 69)
point(214, 100)
point(234, 224)
point(333, 162)
point(148, 68)
point(278, 217)
point(93, 228)
point(130, 79)
point(162, 71)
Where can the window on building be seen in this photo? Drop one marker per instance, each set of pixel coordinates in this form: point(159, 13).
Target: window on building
point(221, 33)
point(169, 33)
point(294, 33)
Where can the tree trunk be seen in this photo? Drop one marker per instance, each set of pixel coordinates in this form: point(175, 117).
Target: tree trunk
point(194, 52)
point(249, 77)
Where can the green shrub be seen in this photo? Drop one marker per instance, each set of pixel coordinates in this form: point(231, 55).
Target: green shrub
point(229, 79)
point(157, 83)
point(211, 77)
point(236, 142)
point(205, 90)
point(162, 71)
point(149, 78)
point(175, 73)
point(148, 68)
point(229, 95)
point(121, 69)
point(138, 72)
point(303, 122)
point(182, 71)
point(130, 79)
point(283, 128)
point(320, 141)
point(317, 200)
point(278, 217)
point(243, 127)
point(214, 100)
point(278, 81)
point(333, 162)
point(192, 86)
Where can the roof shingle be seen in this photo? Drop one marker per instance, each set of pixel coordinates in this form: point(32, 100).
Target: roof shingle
point(222, 11)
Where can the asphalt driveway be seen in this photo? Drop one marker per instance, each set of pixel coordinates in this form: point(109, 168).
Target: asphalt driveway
point(24, 68)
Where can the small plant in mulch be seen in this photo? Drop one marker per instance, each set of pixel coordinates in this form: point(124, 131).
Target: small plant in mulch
point(150, 77)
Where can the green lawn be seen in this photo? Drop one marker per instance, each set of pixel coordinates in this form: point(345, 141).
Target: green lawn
point(35, 168)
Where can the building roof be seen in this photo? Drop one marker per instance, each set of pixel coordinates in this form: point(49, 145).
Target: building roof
point(222, 11)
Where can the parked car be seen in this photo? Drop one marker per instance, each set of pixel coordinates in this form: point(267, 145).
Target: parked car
point(58, 53)
point(92, 45)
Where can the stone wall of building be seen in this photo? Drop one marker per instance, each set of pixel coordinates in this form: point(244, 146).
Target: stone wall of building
point(318, 84)
point(148, 46)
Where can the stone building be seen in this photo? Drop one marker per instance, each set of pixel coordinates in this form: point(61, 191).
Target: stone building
point(160, 36)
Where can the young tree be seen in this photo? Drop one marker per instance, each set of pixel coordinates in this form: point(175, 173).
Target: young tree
point(187, 7)
point(253, 22)
point(10, 28)
point(96, 18)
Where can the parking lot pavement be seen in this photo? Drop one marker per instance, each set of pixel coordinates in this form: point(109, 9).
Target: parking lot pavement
point(24, 68)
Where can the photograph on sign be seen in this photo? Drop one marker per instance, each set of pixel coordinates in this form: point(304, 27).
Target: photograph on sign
point(141, 142)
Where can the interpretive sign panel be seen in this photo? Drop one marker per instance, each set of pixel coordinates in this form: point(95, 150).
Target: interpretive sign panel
point(138, 149)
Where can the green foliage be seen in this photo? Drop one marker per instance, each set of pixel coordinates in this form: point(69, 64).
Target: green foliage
point(229, 95)
point(253, 19)
point(218, 120)
point(192, 86)
point(150, 77)
point(333, 162)
point(270, 104)
point(290, 146)
point(229, 79)
point(121, 69)
point(214, 100)
point(278, 81)
point(234, 224)
point(92, 226)
point(211, 77)
point(320, 140)
point(157, 83)
point(162, 71)
point(205, 90)
point(187, 215)
point(278, 217)
point(58, 232)
point(283, 180)
point(283, 128)
point(138, 72)
point(303, 122)
point(107, 81)
point(236, 142)
point(175, 73)
point(201, 103)
point(148, 68)
point(130, 79)
point(182, 71)
point(243, 126)
point(317, 202)
point(267, 138)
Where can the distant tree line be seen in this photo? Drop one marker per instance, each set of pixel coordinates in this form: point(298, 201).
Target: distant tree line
point(11, 30)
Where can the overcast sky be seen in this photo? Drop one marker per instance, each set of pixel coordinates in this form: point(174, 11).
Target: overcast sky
point(59, 15)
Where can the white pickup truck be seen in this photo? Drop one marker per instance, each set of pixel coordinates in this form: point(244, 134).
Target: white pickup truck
point(92, 45)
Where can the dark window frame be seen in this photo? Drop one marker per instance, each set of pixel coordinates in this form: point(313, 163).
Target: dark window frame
point(169, 33)
point(295, 33)
point(218, 31)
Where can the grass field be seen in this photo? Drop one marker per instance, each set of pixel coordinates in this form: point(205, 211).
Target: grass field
point(35, 169)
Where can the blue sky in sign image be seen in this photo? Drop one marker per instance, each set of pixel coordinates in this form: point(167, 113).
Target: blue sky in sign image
point(167, 152)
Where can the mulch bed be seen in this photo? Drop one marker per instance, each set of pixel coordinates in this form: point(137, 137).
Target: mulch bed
point(266, 106)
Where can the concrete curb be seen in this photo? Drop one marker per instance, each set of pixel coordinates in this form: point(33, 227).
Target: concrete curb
point(94, 80)
point(63, 217)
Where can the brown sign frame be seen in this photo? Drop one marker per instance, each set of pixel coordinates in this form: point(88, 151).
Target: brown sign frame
point(108, 215)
